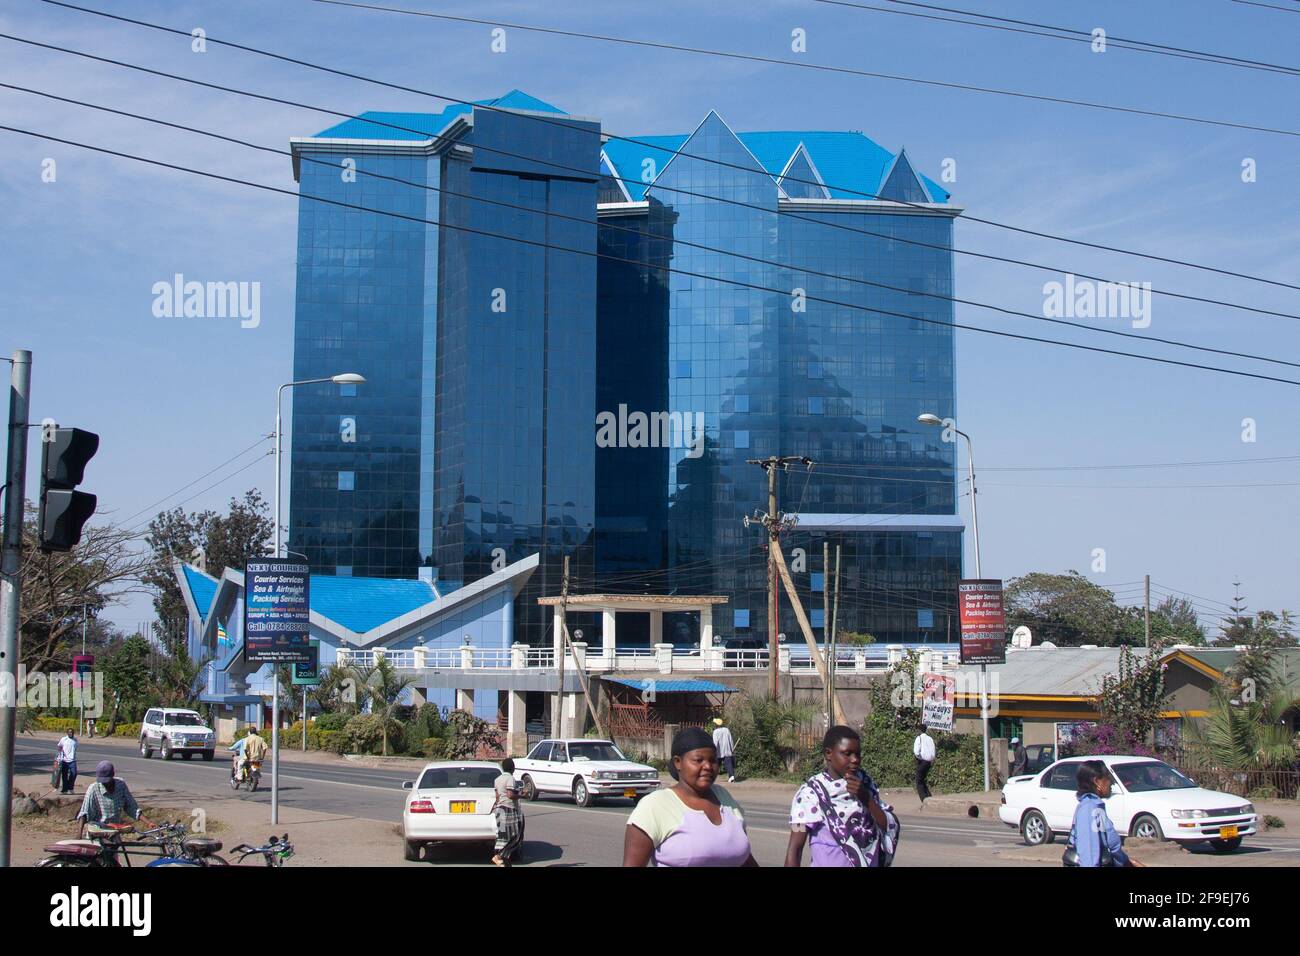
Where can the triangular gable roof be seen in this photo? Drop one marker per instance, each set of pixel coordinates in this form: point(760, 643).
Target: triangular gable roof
point(758, 168)
point(365, 611)
point(801, 177)
point(369, 125)
point(902, 183)
point(198, 588)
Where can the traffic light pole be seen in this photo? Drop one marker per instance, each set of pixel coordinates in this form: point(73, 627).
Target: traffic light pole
point(20, 388)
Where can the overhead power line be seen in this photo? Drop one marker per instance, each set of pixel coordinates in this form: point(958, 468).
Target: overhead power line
point(1011, 25)
point(646, 265)
point(543, 119)
point(793, 267)
point(232, 458)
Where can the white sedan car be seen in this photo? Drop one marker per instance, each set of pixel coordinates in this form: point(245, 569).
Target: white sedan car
point(1148, 799)
point(583, 769)
point(451, 801)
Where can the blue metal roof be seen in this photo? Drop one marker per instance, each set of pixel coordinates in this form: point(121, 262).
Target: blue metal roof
point(673, 686)
point(202, 588)
point(852, 165)
point(360, 604)
point(421, 126)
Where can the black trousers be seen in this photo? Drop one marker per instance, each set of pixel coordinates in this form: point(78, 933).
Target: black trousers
point(67, 775)
point(923, 771)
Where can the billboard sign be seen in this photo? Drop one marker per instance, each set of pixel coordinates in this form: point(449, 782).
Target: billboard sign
point(82, 665)
point(276, 611)
point(983, 621)
point(308, 675)
point(938, 700)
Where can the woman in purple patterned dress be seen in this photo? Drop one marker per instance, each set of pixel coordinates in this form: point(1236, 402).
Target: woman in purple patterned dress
point(838, 810)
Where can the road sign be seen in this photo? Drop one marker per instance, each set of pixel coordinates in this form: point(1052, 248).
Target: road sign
point(938, 699)
point(983, 621)
point(308, 675)
point(276, 611)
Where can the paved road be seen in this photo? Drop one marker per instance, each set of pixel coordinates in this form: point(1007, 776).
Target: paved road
point(558, 833)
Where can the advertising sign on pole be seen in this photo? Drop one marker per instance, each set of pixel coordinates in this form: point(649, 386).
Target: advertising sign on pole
point(938, 699)
point(983, 621)
point(82, 665)
point(276, 611)
point(308, 675)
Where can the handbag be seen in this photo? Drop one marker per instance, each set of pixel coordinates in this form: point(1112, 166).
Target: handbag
point(1070, 855)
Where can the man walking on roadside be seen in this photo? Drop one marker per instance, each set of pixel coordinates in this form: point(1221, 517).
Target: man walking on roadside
point(67, 759)
point(726, 748)
point(923, 750)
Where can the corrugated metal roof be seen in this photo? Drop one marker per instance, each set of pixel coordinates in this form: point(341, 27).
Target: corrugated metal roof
point(421, 126)
point(673, 686)
point(360, 604)
point(1055, 672)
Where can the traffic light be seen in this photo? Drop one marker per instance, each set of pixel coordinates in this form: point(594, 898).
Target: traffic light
point(64, 453)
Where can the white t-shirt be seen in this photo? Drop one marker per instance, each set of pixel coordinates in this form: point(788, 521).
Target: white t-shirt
point(924, 747)
point(67, 749)
point(722, 741)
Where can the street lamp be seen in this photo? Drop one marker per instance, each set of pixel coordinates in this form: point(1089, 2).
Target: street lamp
point(931, 419)
point(343, 378)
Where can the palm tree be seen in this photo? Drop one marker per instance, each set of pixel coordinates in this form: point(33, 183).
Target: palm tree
point(1251, 735)
point(291, 694)
point(386, 687)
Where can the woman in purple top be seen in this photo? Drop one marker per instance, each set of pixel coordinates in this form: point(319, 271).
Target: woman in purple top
point(692, 823)
point(838, 810)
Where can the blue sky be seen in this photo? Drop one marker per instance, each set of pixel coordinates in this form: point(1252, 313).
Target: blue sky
point(172, 398)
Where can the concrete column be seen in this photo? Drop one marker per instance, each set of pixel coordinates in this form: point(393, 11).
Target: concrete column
point(557, 630)
point(894, 653)
point(518, 656)
point(516, 734)
point(467, 657)
point(569, 716)
point(579, 653)
point(783, 659)
point(465, 699)
point(379, 654)
point(706, 628)
point(608, 637)
point(656, 627)
point(713, 660)
point(664, 657)
point(420, 657)
point(859, 659)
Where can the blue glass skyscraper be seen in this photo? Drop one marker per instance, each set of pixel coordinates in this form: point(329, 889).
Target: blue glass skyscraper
point(574, 343)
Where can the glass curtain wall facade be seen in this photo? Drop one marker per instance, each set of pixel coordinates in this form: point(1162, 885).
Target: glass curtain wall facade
point(521, 309)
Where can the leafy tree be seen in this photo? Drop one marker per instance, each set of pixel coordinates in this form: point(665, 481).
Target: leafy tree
point(101, 569)
point(174, 677)
point(854, 638)
point(1066, 609)
point(467, 736)
point(1237, 624)
point(1240, 735)
point(127, 679)
point(328, 694)
point(219, 541)
point(1178, 615)
point(1132, 700)
point(767, 733)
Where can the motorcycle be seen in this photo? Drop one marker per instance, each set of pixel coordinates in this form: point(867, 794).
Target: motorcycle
point(250, 776)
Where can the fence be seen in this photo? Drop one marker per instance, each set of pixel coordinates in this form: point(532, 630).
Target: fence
point(1260, 784)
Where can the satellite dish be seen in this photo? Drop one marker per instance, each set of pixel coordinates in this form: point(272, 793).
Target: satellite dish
point(1047, 646)
point(1022, 637)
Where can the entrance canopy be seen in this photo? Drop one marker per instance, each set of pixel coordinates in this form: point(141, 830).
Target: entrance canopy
point(655, 604)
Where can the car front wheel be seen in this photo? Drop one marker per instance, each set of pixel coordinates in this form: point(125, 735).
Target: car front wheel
point(1146, 827)
point(166, 749)
point(1034, 829)
point(529, 788)
point(1225, 846)
point(581, 795)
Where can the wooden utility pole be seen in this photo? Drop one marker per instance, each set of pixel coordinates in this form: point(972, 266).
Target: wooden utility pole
point(558, 716)
point(581, 668)
point(837, 712)
point(1146, 608)
point(835, 620)
point(775, 523)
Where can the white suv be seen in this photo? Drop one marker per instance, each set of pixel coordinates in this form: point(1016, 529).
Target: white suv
point(173, 730)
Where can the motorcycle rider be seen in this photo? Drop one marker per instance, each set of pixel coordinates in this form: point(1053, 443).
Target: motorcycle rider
point(248, 749)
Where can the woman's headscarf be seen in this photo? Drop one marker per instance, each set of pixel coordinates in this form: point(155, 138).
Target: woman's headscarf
point(692, 738)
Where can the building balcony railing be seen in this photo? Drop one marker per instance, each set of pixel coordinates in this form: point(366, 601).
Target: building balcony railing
point(660, 658)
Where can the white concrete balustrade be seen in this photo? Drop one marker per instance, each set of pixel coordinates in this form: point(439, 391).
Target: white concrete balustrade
point(661, 658)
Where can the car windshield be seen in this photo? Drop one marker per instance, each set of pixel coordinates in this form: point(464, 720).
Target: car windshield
point(594, 751)
point(455, 778)
point(1150, 775)
point(182, 720)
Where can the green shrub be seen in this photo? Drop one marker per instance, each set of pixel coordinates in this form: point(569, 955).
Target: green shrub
point(435, 748)
point(1266, 792)
point(333, 721)
point(58, 724)
point(1273, 823)
point(365, 734)
point(331, 741)
point(425, 721)
point(127, 730)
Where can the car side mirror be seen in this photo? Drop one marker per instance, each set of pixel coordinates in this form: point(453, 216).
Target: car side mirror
point(408, 784)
